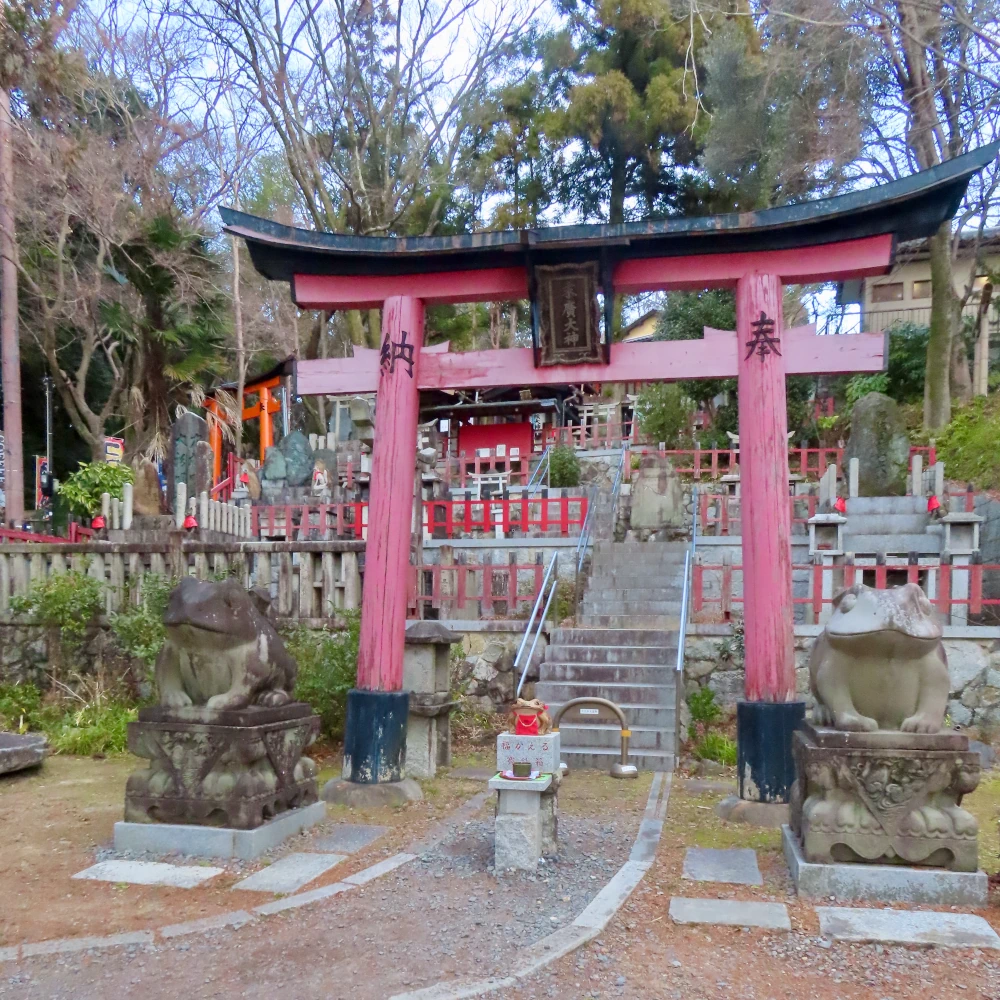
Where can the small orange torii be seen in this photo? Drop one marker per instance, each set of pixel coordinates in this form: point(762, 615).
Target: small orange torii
point(262, 387)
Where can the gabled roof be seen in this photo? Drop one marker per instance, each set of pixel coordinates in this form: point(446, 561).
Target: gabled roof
point(910, 208)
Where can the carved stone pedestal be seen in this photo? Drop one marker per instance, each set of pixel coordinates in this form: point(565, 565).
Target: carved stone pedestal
point(887, 798)
point(236, 769)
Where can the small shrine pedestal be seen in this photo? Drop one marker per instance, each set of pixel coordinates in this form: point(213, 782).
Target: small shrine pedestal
point(527, 819)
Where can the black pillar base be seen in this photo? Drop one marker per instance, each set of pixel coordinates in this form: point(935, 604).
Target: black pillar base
point(375, 736)
point(765, 768)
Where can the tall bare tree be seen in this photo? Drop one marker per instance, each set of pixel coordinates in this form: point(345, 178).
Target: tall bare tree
point(29, 61)
point(367, 100)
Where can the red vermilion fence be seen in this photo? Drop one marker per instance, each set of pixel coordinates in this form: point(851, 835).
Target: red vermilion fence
point(474, 590)
point(717, 589)
point(538, 515)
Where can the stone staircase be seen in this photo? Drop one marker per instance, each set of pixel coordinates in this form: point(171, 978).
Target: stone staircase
point(623, 649)
point(891, 525)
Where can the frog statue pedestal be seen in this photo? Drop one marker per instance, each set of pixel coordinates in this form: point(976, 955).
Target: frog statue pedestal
point(876, 809)
point(226, 774)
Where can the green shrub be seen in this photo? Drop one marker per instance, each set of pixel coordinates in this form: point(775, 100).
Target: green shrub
point(861, 385)
point(664, 413)
point(564, 467)
point(68, 602)
point(703, 706)
point(94, 728)
point(328, 667)
point(968, 445)
point(139, 629)
point(82, 489)
point(716, 746)
point(20, 707)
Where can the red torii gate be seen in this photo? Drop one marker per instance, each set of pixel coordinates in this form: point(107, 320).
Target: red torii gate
point(851, 236)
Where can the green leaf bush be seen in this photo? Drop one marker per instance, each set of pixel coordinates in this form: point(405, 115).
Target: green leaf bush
point(564, 467)
point(69, 602)
point(82, 489)
point(328, 666)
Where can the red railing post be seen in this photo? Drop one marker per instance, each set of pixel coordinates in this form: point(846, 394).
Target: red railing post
point(849, 570)
point(697, 461)
point(970, 498)
point(944, 587)
point(715, 463)
point(817, 588)
point(724, 513)
point(880, 572)
point(726, 596)
point(975, 584)
point(697, 584)
point(912, 568)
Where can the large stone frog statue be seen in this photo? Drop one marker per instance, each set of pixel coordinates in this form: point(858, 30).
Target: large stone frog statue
point(221, 650)
point(879, 664)
point(225, 745)
point(877, 779)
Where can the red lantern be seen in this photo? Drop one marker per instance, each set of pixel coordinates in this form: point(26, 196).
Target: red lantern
point(190, 522)
point(98, 522)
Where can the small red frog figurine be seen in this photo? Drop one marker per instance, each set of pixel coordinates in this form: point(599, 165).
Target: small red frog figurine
point(529, 718)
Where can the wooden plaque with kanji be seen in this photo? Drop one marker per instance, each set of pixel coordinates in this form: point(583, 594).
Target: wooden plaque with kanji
point(569, 331)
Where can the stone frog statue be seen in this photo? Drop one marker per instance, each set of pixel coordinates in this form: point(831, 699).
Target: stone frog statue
point(879, 663)
point(221, 649)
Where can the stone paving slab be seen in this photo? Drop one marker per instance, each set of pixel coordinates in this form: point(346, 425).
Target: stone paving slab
point(731, 912)
point(290, 872)
point(346, 838)
point(62, 946)
point(302, 898)
point(923, 927)
point(734, 865)
point(237, 918)
point(150, 873)
point(377, 870)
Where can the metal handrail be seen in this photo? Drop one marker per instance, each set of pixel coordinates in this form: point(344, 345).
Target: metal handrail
point(544, 463)
point(688, 568)
point(550, 574)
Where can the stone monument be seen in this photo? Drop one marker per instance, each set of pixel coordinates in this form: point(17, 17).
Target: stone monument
point(426, 675)
point(876, 811)
point(881, 444)
point(225, 743)
point(146, 494)
point(182, 465)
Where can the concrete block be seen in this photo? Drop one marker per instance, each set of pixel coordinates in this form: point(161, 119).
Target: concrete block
point(421, 746)
point(518, 842)
point(516, 801)
point(19, 751)
point(542, 752)
point(548, 809)
point(290, 872)
point(946, 930)
point(881, 883)
point(731, 912)
point(736, 865)
point(213, 841)
point(341, 791)
point(346, 838)
point(61, 946)
point(376, 871)
point(235, 918)
point(149, 873)
point(302, 898)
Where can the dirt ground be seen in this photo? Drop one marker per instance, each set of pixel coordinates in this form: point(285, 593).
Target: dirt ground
point(445, 916)
point(59, 819)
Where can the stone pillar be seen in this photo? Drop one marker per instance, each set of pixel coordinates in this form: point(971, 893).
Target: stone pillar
point(853, 475)
point(426, 676)
point(375, 737)
point(769, 715)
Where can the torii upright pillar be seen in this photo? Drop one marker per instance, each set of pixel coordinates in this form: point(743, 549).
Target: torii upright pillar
point(770, 711)
point(375, 733)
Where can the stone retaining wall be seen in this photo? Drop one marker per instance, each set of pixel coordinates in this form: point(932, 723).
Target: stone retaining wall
point(973, 662)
